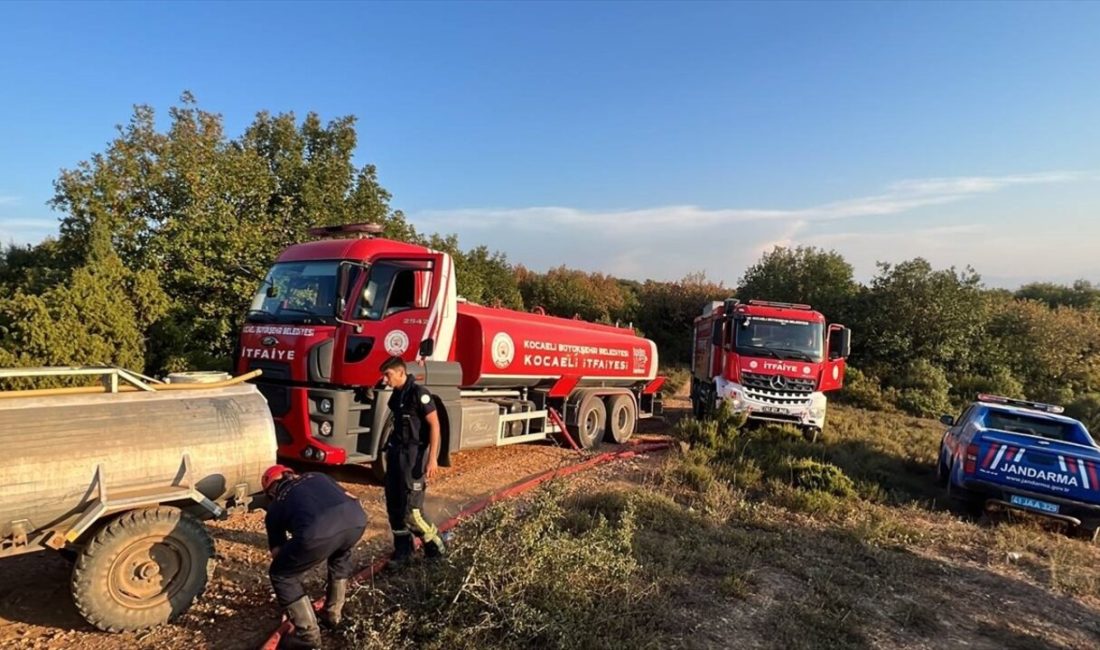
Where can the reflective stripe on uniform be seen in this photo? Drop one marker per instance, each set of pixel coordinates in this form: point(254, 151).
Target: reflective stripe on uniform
point(421, 526)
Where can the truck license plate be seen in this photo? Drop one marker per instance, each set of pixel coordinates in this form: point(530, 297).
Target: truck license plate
point(772, 409)
point(1034, 504)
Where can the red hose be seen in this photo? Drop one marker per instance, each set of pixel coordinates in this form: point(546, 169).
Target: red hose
point(515, 490)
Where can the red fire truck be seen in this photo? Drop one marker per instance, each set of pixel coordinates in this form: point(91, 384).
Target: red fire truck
point(773, 360)
point(331, 311)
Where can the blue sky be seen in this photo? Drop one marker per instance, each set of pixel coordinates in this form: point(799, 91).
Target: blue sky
point(645, 139)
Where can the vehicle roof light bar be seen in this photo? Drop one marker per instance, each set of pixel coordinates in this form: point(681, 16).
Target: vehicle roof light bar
point(361, 230)
point(1022, 403)
point(783, 305)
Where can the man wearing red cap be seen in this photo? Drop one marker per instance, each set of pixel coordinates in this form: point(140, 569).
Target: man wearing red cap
point(324, 523)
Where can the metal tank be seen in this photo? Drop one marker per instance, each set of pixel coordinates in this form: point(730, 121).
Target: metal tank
point(117, 477)
point(56, 448)
point(506, 348)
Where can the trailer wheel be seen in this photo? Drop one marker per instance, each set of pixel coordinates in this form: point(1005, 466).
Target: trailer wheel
point(142, 569)
point(591, 422)
point(622, 417)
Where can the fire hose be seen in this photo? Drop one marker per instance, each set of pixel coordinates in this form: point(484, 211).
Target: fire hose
point(507, 493)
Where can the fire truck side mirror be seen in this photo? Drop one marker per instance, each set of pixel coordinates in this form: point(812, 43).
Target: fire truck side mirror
point(840, 342)
point(342, 275)
point(272, 291)
point(427, 347)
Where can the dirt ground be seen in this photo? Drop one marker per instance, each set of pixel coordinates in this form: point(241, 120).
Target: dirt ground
point(238, 609)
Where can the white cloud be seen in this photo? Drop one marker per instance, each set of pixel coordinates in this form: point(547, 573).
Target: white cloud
point(25, 231)
point(900, 197)
point(668, 242)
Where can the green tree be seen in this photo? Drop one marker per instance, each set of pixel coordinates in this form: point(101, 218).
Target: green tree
point(483, 277)
point(667, 312)
point(1082, 294)
point(913, 312)
point(195, 207)
point(822, 279)
point(572, 293)
point(97, 316)
point(1053, 352)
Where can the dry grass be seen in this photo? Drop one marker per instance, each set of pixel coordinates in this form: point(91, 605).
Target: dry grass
point(752, 538)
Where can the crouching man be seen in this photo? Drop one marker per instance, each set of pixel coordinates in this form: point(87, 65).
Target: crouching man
point(325, 523)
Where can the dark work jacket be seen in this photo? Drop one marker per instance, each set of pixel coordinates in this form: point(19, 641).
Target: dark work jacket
point(311, 507)
point(410, 406)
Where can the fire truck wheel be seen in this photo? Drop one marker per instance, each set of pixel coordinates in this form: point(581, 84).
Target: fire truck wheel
point(142, 569)
point(622, 417)
point(811, 434)
point(591, 422)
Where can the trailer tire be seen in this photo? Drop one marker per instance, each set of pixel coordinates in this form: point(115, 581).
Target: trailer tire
point(591, 422)
point(622, 417)
point(142, 569)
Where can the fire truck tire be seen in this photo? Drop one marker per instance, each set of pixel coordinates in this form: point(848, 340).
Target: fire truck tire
point(622, 417)
point(591, 422)
point(142, 569)
point(811, 434)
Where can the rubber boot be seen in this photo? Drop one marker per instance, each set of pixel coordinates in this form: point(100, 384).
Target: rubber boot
point(435, 549)
point(333, 613)
point(402, 551)
point(307, 634)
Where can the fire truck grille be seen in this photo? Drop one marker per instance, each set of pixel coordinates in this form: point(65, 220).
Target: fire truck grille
point(776, 389)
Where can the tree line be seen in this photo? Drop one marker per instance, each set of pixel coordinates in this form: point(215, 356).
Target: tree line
point(164, 234)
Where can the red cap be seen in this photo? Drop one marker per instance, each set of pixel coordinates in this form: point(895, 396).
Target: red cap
point(273, 473)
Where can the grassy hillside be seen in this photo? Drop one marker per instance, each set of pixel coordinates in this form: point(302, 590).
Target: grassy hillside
point(749, 538)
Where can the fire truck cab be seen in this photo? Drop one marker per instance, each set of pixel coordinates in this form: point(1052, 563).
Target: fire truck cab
point(773, 360)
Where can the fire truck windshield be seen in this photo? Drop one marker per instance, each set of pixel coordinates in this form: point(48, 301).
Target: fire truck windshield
point(785, 339)
point(297, 292)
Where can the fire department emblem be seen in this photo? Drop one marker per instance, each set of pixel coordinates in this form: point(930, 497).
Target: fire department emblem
point(396, 342)
point(753, 365)
point(503, 350)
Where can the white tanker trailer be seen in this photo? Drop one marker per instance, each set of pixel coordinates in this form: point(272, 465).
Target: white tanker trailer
point(118, 476)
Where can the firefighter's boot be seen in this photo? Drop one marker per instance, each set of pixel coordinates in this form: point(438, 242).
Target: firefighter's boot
point(434, 549)
point(307, 634)
point(402, 550)
point(333, 613)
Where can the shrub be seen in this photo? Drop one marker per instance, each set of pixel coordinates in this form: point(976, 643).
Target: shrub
point(863, 391)
point(809, 474)
point(538, 575)
point(923, 389)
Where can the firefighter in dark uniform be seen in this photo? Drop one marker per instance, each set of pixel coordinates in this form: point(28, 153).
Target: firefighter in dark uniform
point(325, 523)
point(412, 455)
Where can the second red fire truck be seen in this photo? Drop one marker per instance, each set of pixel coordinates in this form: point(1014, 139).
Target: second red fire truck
point(773, 360)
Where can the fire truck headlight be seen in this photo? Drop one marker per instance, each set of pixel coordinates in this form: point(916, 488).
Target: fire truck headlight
point(308, 453)
point(326, 428)
point(326, 405)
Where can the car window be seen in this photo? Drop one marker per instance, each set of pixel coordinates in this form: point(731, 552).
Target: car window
point(1030, 425)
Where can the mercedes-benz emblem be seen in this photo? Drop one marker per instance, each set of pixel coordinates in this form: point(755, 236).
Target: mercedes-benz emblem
point(269, 341)
point(778, 382)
